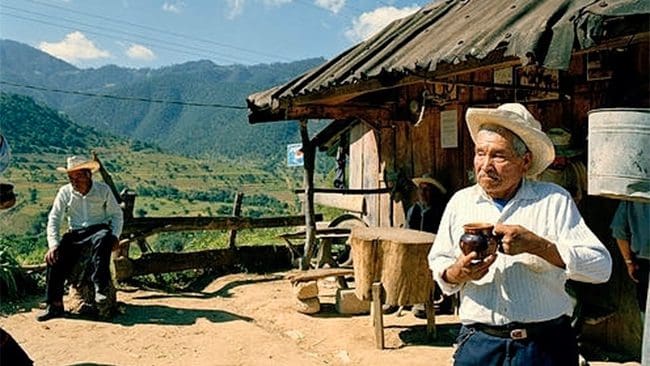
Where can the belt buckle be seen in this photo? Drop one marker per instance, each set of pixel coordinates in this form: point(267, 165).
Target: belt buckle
point(518, 334)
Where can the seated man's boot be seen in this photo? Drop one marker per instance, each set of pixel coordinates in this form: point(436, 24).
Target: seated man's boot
point(51, 312)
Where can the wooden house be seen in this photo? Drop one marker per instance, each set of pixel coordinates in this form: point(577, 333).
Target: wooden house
point(400, 99)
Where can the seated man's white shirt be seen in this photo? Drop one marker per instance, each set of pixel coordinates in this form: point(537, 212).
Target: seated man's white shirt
point(99, 206)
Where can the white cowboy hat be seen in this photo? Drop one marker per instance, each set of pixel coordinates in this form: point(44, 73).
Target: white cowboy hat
point(516, 118)
point(79, 163)
point(426, 178)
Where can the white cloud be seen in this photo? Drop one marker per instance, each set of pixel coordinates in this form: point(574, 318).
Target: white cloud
point(369, 23)
point(236, 8)
point(173, 7)
point(332, 5)
point(140, 52)
point(74, 47)
point(276, 2)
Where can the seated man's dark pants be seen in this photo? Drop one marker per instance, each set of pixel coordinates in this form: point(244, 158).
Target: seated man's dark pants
point(100, 240)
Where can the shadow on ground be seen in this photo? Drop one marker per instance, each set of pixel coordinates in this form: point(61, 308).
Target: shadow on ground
point(417, 335)
point(166, 315)
point(224, 291)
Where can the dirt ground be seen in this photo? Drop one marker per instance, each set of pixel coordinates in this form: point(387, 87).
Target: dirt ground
point(240, 319)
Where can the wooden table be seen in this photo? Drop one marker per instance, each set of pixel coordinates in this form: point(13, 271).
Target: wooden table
point(390, 266)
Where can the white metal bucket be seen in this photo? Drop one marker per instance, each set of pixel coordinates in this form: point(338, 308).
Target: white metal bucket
point(619, 153)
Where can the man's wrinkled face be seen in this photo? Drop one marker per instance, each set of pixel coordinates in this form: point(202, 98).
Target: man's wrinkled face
point(81, 180)
point(497, 167)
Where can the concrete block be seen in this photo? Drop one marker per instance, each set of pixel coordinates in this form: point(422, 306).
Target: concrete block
point(308, 306)
point(305, 290)
point(348, 303)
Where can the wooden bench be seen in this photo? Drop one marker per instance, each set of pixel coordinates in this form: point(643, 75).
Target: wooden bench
point(316, 274)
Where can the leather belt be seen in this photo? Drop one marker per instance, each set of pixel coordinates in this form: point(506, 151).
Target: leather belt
point(518, 331)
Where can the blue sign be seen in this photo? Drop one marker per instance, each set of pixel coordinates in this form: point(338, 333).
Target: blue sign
point(295, 156)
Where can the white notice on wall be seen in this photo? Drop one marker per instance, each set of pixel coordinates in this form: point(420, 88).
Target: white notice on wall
point(449, 129)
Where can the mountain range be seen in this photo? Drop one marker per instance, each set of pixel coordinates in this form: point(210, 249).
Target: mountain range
point(177, 128)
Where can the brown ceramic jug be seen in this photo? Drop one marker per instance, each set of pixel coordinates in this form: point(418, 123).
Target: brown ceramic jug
point(479, 238)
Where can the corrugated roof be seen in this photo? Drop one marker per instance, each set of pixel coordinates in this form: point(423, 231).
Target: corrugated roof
point(456, 31)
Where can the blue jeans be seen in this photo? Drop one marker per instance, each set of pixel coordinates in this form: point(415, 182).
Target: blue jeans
point(558, 348)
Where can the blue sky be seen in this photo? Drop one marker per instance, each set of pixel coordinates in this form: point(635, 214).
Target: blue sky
point(155, 33)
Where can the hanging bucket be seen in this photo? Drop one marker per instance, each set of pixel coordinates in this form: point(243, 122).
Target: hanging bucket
point(619, 153)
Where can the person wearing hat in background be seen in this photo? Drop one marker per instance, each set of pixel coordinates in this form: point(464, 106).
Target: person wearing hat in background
point(566, 170)
point(94, 219)
point(513, 305)
point(424, 215)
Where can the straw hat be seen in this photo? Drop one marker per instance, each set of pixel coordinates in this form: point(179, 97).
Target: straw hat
point(426, 178)
point(78, 163)
point(516, 118)
point(561, 140)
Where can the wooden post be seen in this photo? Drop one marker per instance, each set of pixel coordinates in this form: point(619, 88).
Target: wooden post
point(309, 153)
point(236, 212)
point(128, 200)
point(107, 178)
point(378, 315)
point(430, 309)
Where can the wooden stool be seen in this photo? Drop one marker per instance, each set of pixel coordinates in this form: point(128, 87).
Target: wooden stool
point(81, 295)
point(390, 266)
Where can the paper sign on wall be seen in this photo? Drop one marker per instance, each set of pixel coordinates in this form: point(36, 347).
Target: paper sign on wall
point(449, 129)
point(295, 157)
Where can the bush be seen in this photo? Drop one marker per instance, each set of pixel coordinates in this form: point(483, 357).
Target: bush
point(10, 274)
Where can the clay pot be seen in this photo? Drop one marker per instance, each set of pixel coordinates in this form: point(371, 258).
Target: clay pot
point(479, 238)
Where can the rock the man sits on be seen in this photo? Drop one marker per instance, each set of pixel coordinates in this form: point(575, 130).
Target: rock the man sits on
point(94, 219)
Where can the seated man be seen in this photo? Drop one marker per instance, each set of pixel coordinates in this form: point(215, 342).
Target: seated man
point(424, 215)
point(94, 219)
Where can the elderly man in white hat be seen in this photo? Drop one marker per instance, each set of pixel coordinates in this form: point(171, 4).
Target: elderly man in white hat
point(94, 219)
point(514, 308)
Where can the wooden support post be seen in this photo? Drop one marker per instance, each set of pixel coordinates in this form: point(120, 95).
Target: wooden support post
point(377, 315)
point(236, 212)
point(309, 153)
point(107, 178)
point(142, 244)
point(128, 203)
point(430, 309)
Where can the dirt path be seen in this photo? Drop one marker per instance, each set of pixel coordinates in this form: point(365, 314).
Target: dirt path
point(236, 320)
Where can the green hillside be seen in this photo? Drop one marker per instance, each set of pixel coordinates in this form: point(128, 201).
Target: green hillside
point(166, 184)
